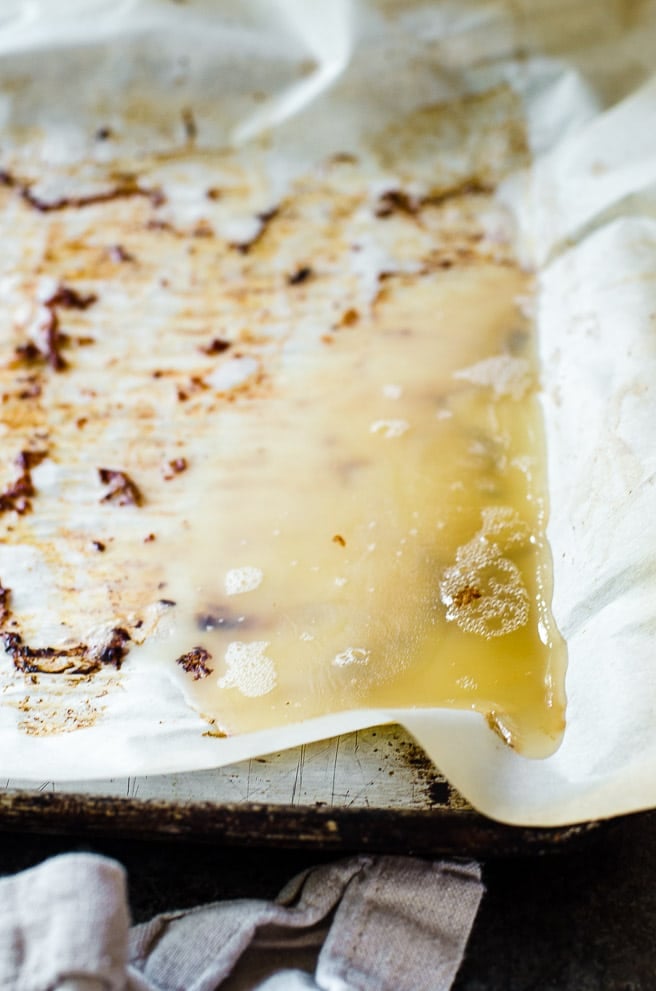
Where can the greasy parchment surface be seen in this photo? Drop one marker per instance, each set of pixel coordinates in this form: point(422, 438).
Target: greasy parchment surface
point(286, 85)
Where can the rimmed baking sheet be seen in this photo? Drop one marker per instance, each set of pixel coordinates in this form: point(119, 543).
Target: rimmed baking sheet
point(585, 211)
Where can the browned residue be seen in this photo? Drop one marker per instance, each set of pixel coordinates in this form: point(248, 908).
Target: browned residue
point(301, 275)
point(52, 717)
point(127, 188)
point(466, 595)
point(343, 158)
point(5, 610)
point(49, 352)
point(189, 125)
point(70, 299)
point(191, 387)
point(202, 228)
point(173, 468)
point(216, 346)
point(349, 317)
point(49, 349)
point(122, 490)
point(195, 663)
point(115, 647)
point(265, 219)
point(214, 733)
point(77, 659)
point(398, 201)
point(18, 495)
point(489, 127)
point(29, 386)
point(498, 726)
point(117, 253)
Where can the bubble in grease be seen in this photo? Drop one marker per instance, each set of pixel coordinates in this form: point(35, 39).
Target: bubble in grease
point(484, 592)
point(249, 670)
point(240, 580)
point(505, 375)
point(352, 655)
point(389, 428)
point(504, 525)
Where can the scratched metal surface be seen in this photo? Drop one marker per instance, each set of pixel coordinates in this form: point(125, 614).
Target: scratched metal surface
point(373, 790)
point(375, 768)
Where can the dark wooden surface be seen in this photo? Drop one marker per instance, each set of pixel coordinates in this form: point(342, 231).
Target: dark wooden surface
point(582, 919)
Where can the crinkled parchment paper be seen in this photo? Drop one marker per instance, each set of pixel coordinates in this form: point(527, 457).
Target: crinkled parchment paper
point(303, 79)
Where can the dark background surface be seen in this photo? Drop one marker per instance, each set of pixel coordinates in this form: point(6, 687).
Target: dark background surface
point(583, 919)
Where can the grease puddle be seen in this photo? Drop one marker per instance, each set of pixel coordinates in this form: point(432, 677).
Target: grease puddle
point(334, 436)
point(386, 510)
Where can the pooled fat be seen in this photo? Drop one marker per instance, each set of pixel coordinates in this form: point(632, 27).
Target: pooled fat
point(306, 470)
point(390, 506)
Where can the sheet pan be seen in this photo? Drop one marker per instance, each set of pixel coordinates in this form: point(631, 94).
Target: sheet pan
point(585, 215)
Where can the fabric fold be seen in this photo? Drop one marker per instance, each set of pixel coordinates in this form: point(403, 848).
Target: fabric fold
point(369, 924)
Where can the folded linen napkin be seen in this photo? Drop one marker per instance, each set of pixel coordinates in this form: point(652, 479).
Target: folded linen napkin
point(363, 924)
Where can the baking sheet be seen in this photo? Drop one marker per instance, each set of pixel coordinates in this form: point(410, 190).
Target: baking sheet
point(371, 790)
point(585, 213)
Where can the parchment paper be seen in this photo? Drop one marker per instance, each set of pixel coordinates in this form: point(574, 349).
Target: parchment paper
point(586, 215)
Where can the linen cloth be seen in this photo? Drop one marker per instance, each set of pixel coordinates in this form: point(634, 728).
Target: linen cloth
point(362, 924)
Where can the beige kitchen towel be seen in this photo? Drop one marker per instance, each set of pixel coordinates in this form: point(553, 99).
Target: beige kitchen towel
point(362, 924)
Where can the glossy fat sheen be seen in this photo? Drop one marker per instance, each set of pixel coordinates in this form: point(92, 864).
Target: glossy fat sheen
point(328, 413)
